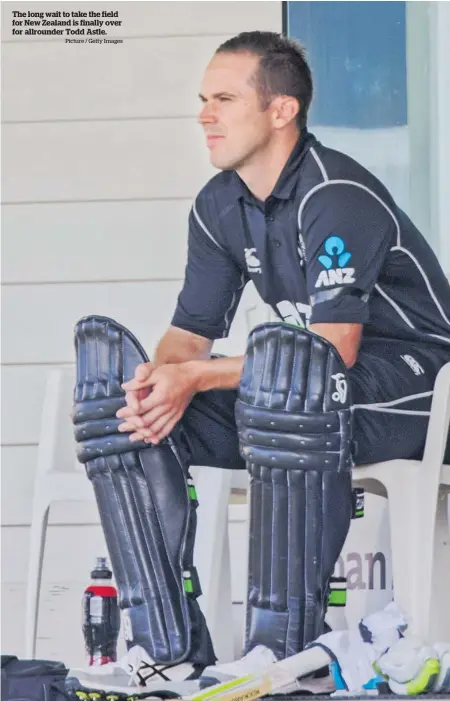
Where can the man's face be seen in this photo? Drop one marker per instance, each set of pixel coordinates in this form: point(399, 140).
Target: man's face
point(235, 126)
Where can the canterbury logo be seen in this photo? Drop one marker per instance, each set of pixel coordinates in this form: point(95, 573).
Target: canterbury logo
point(413, 364)
point(253, 263)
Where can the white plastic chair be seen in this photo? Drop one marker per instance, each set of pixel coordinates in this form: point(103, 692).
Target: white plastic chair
point(59, 477)
point(417, 492)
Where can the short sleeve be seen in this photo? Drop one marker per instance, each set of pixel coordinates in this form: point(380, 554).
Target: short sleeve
point(348, 232)
point(213, 284)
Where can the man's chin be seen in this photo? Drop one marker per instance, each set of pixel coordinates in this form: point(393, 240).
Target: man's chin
point(220, 160)
point(221, 163)
point(216, 162)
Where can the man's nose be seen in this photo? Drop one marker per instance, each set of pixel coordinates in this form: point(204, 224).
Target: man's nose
point(207, 114)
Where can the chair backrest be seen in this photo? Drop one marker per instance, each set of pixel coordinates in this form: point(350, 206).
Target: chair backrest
point(56, 440)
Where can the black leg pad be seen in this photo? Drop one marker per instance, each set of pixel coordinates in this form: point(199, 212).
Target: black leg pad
point(294, 423)
point(146, 501)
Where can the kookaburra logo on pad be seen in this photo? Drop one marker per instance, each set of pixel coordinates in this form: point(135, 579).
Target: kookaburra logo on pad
point(340, 395)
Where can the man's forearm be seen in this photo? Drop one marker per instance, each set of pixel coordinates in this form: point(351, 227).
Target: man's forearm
point(346, 338)
point(217, 373)
point(179, 346)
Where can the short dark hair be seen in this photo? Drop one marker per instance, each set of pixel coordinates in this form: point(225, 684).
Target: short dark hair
point(283, 69)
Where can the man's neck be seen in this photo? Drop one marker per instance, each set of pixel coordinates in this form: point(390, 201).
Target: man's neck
point(262, 174)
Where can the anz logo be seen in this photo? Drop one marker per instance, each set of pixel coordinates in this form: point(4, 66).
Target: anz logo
point(335, 261)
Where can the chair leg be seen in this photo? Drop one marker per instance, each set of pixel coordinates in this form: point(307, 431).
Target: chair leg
point(428, 558)
point(246, 511)
point(401, 504)
point(36, 560)
point(221, 619)
point(212, 555)
point(439, 620)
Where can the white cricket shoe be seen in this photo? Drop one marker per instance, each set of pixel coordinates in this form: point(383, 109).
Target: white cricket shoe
point(137, 669)
point(142, 668)
point(255, 661)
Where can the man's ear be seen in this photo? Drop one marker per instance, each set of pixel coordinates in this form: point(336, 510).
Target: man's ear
point(284, 110)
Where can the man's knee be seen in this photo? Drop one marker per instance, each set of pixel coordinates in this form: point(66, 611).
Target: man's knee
point(209, 430)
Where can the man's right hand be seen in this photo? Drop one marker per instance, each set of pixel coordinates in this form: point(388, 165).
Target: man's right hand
point(136, 390)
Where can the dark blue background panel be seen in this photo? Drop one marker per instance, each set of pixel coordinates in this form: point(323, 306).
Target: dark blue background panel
point(357, 52)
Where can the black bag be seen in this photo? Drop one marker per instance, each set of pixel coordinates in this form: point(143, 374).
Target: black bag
point(33, 680)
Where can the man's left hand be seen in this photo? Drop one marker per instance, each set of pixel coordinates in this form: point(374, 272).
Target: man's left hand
point(173, 387)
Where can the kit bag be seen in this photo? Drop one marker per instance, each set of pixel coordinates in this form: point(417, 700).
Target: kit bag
point(33, 680)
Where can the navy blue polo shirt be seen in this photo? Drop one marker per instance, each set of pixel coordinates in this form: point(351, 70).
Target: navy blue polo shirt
point(328, 245)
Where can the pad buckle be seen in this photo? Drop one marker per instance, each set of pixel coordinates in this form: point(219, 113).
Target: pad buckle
point(191, 582)
point(357, 502)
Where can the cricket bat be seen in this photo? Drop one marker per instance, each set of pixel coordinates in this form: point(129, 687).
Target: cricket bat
point(276, 678)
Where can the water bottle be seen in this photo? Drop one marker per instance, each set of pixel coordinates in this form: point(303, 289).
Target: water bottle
point(101, 617)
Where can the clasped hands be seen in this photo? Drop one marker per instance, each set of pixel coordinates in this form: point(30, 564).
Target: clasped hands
point(156, 399)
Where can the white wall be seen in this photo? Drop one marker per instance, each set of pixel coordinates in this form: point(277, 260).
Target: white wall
point(101, 160)
point(439, 124)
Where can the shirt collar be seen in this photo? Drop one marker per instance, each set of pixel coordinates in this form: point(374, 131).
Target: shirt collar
point(285, 184)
